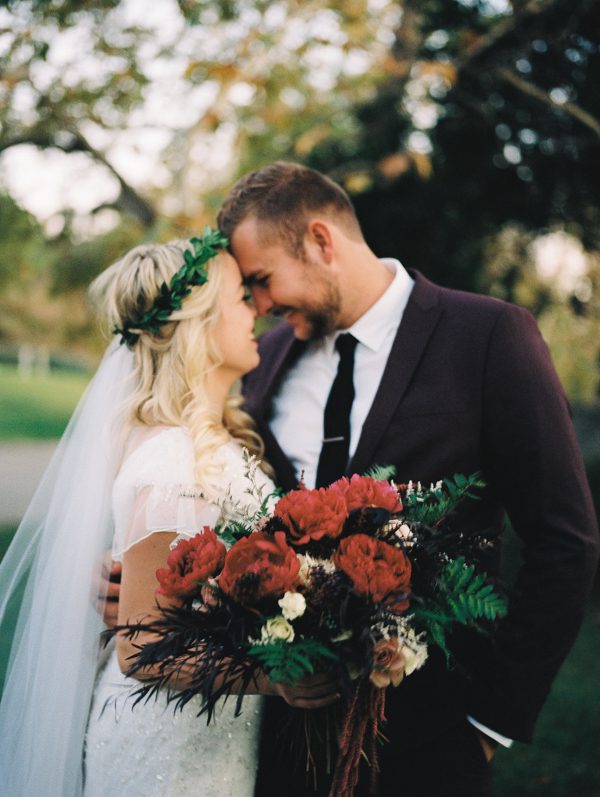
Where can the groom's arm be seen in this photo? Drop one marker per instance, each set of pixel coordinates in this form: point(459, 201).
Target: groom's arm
point(532, 461)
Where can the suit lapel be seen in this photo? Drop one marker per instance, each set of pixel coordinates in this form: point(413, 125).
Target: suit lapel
point(418, 322)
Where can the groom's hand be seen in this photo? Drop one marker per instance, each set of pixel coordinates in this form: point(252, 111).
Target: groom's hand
point(488, 744)
point(315, 691)
point(108, 590)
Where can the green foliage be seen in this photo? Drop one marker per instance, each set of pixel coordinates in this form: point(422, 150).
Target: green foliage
point(192, 272)
point(22, 254)
point(290, 662)
point(463, 597)
point(468, 594)
point(235, 524)
point(431, 506)
point(76, 264)
point(42, 281)
point(381, 472)
point(573, 342)
point(460, 487)
point(233, 529)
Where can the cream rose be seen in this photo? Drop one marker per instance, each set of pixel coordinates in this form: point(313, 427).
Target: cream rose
point(277, 629)
point(293, 604)
point(413, 657)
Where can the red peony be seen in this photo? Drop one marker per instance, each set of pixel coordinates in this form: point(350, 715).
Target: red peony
point(259, 566)
point(377, 570)
point(312, 514)
point(363, 491)
point(190, 563)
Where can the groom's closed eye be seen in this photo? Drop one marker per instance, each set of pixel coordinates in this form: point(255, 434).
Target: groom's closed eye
point(254, 280)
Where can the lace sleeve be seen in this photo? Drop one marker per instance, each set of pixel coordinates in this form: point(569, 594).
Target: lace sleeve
point(155, 492)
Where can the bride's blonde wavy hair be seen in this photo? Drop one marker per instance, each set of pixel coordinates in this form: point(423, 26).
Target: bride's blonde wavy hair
point(172, 368)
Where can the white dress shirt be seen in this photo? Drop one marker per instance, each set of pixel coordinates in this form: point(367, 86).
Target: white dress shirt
point(299, 406)
point(308, 382)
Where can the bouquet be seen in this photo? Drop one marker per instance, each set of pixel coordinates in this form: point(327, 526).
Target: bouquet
point(359, 578)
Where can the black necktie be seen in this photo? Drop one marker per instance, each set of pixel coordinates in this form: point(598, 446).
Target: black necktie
point(336, 420)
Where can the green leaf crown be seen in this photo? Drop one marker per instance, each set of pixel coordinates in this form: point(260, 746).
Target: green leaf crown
point(192, 272)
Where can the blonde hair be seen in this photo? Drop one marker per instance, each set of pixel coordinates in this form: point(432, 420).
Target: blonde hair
point(172, 367)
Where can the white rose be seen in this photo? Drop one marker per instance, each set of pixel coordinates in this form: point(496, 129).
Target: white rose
point(293, 604)
point(277, 629)
point(414, 657)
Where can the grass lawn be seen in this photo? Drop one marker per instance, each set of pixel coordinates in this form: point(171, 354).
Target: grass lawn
point(563, 761)
point(37, 406)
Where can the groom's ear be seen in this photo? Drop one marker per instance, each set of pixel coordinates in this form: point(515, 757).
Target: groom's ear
point(320, 239)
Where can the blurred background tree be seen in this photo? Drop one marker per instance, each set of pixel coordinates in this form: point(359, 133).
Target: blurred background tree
point(152, 111)
point(467, 132)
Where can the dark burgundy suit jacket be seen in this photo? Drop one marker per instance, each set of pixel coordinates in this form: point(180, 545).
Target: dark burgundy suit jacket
point(469, 386)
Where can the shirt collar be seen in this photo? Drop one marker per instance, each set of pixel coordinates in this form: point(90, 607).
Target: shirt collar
point(382, 318)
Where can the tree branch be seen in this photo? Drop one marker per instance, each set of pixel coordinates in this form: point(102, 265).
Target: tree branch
point(542, 95)
point(129, 198)
point(73, 141)
point(505, 29)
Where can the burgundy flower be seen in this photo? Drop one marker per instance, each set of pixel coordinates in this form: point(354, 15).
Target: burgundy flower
point(312, 514)
point(191, 563)
point(259, 566)
point(378, 571)
point(363, 491)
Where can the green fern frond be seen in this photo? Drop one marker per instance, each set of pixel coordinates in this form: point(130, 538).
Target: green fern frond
point(381, 472)
point(468, 595)
point(463, 596)
point(460, 486)
point(435, 622)
point(289, 662)
point(432, 505)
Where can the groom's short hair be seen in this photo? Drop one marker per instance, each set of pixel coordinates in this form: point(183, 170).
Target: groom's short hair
point(282, 197)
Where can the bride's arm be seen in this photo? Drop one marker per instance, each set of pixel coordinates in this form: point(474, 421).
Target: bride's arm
point(137, 597)
point(138, 603)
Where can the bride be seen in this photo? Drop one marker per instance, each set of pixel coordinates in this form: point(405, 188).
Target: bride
point(154, 451)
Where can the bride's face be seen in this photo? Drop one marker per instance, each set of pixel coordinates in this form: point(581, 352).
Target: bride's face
point(234, 331)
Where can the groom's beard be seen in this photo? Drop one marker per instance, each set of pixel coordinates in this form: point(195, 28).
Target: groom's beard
point(323, 316)
point(321, 323)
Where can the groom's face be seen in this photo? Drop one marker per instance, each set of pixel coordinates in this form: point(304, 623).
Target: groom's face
point(301, 290)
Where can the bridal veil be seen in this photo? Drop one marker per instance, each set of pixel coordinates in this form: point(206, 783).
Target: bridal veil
point(54, 562)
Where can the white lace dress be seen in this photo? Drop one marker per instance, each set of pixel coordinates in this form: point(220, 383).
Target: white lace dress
point(149, 750)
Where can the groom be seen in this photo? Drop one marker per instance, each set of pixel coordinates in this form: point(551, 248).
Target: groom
point(434, 382)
